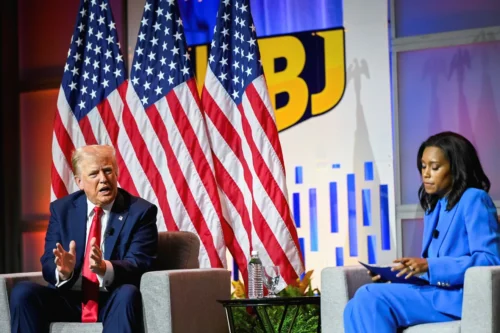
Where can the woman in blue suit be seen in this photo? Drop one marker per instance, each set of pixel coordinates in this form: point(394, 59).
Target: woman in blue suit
point(460, 231)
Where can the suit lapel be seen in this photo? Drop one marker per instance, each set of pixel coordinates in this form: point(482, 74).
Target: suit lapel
point(117, 218)
point(445, 221)
point(78, 229)
point(429, 228)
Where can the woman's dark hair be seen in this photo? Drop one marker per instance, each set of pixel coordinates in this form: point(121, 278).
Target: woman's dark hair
point(466, 170)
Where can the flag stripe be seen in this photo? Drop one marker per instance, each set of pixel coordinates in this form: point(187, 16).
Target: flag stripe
point(233, 139)
point(270, 202)
point(240, 216)
point(236, 211)
point(190, 132)
point(58, 187)
point(181, 185)
point(237, 240)
point(64, 140)
point(233, 193)
point(141, 150)
point(266, 120)
point(86, 128)
point(156, 186)
point(274, 187)
point(230, 138)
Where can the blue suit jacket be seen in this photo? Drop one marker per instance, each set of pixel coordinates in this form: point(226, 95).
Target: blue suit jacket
point(468, 236)
point(131, 247)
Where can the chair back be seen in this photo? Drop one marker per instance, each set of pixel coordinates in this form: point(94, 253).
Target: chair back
point(177, 250)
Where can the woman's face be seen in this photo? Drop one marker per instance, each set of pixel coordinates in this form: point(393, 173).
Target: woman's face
point(436, 172)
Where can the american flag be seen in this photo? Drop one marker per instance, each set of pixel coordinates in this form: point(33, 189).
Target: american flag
point(248, 159)
point(155, 123)
point(88, 105)
point(171, 134)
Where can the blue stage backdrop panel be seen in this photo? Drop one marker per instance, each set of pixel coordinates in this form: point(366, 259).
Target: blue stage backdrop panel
point(296, 208)
point(368, 171)
point(384, 217)
point(334, 208)
point(299, 179)
point(339, 256)
point(313, 219)
point(372, 249)
point(302, 245)
point(270, 17)
point(367, 207)
point(351, 206)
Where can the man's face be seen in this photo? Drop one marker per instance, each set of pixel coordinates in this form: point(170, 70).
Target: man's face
point(98, 179)
point(436, 173)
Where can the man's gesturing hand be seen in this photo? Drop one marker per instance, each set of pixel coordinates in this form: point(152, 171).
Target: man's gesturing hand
point(65, 261)
point(97, 264)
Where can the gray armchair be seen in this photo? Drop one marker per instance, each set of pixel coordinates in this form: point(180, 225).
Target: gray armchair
point(177, 296)
point(481, 304)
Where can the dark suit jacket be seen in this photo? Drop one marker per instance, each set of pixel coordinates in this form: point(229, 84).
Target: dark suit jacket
point(131, 246)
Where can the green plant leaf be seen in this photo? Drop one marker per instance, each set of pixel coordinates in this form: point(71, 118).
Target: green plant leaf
point(246, 320)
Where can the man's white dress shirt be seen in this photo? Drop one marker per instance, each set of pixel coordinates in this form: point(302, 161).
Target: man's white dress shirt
point(109, 275)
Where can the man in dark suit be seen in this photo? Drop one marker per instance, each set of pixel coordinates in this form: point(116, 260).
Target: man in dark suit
point(99, 242)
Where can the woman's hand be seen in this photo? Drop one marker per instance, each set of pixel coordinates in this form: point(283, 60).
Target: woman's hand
point(376, 278)
point(410, 266)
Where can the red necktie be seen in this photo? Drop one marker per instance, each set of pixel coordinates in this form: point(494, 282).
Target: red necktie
point(90, 284)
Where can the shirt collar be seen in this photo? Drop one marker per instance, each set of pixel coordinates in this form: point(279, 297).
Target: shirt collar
point(106, 208)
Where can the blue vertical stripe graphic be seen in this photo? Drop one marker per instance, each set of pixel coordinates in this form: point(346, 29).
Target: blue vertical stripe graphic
point(368, 171)
point(313, 217)
point(372, 249)
point(296, 208)
point(236, 271)
point(339, 256)
point(334, 209)
point(367, 207)
point(351, 207)
point(384, 217)
point(336, 166)
point(298, 175)
point(303, 252)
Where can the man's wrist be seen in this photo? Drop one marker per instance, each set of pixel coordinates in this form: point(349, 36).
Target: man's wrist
point(63, 277)
point(102, 268)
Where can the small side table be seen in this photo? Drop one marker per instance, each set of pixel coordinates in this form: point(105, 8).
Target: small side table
point(261, 304)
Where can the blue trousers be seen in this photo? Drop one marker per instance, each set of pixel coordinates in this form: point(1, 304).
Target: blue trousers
point(33, 307)
point(387, 307)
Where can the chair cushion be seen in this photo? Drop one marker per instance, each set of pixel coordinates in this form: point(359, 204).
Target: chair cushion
point(75, 328)
point(177, 250)
point(449, 327)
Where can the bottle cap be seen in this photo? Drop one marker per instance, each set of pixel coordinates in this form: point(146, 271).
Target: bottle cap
point(254, 253)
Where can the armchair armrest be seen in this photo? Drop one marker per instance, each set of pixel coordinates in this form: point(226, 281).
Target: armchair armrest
point(7, 282)
point(185, 300)
point(481, 302)
point(338, 285)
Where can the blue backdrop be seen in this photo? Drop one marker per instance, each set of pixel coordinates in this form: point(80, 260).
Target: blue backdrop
point(270, 17)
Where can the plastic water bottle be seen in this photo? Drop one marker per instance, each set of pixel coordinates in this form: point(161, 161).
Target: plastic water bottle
point(255, 282)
